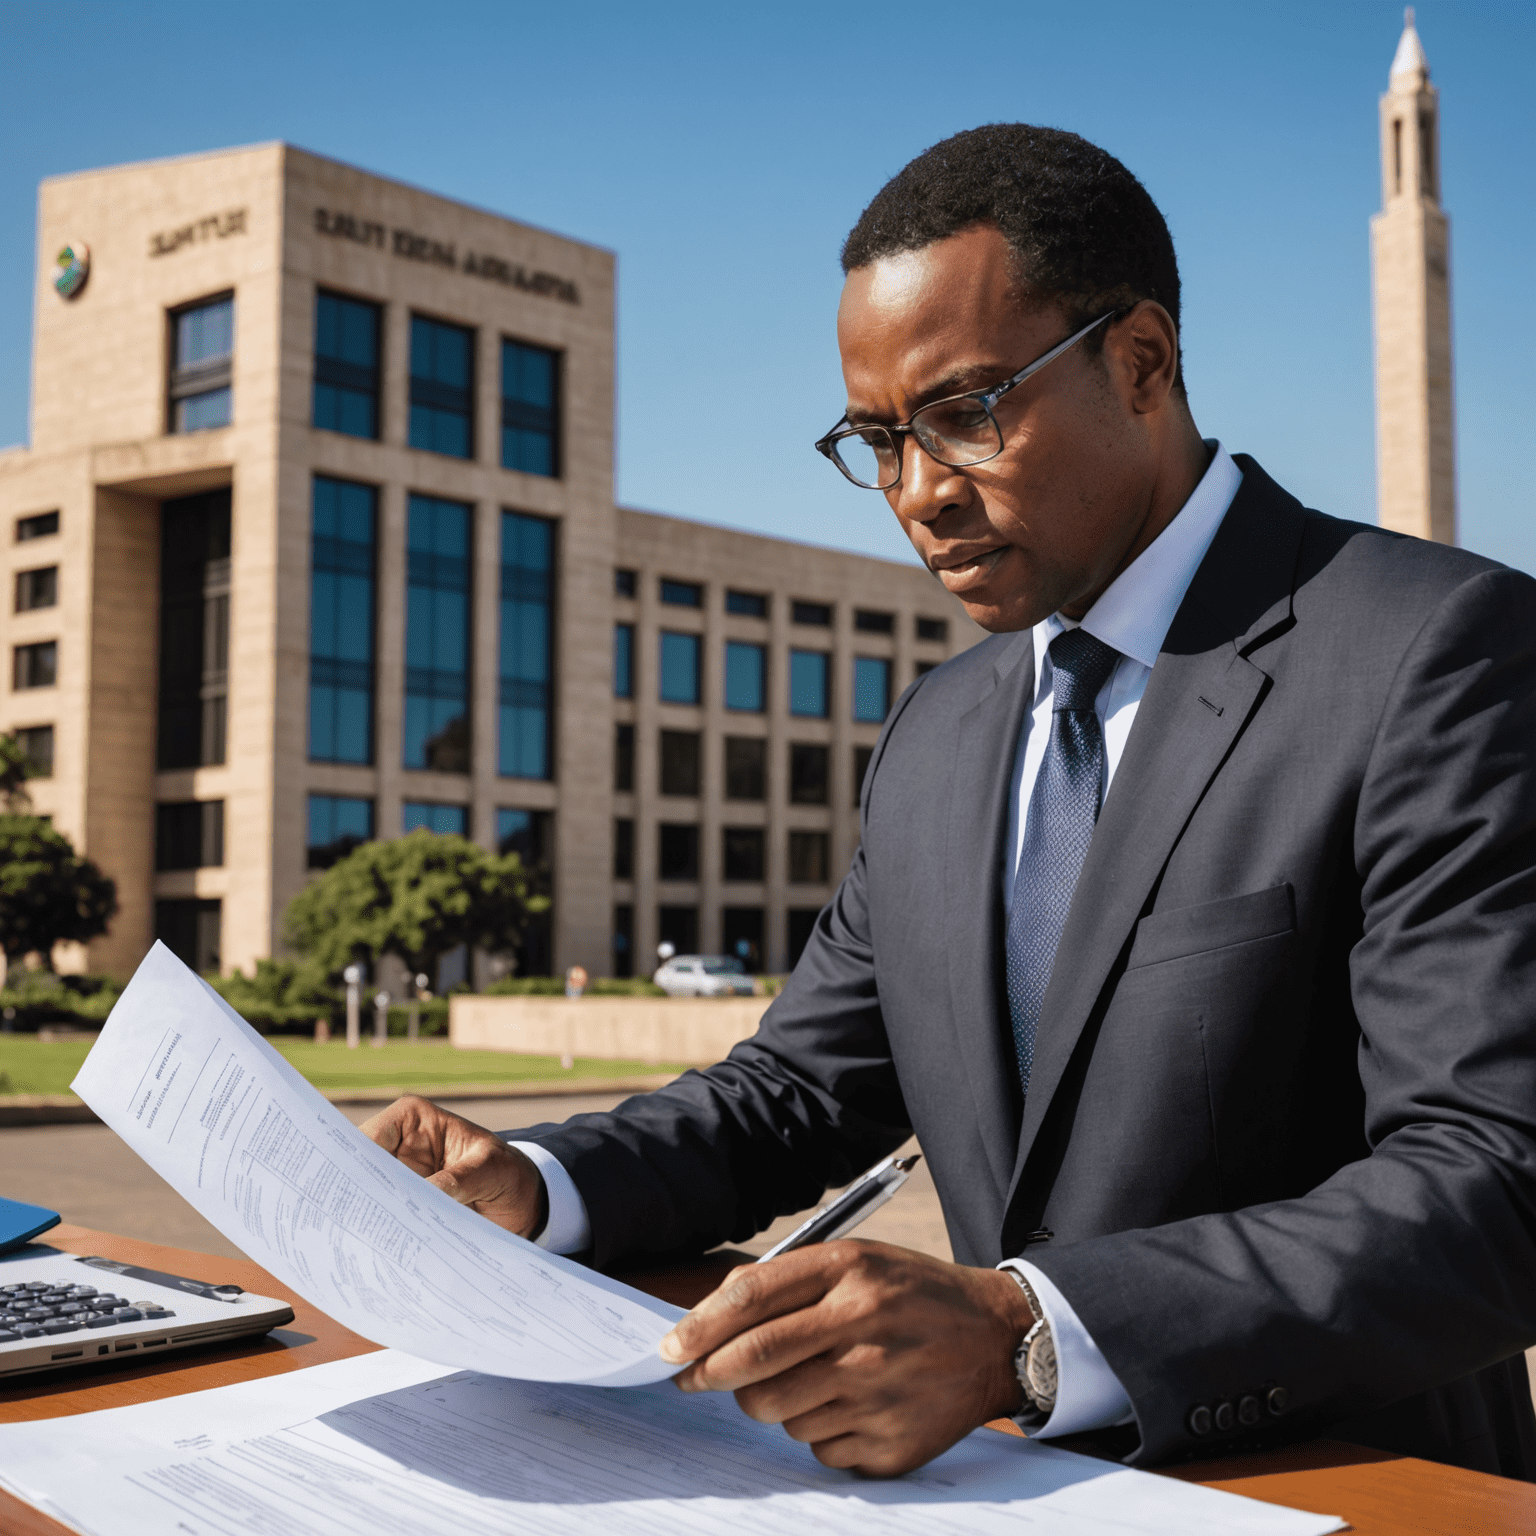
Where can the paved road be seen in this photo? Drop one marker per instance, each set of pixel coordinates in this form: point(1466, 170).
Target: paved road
point(87, 1174)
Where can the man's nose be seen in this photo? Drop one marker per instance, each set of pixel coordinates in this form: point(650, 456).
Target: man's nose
point(927, 488)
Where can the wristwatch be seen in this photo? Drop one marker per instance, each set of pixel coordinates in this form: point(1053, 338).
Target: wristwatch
point(1034, 1361)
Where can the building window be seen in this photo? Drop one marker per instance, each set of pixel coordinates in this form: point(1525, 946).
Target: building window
point(677, 850)
point(1397, 154)
point(38, 526)
point(679, 927)
point(623, 939)
point(530, 408)
point(741, 934)
point(623, 583)
point(932, 629)
point(341, 621)
point(741, 853)
point(861, 757)
point(442, 387)
point(194, 630)
point(525, 720)
point(808, 683)
point(437, 636)
point(922, 668)
point(679, 667)
point(808, 773)
point(799, 925)
point(871, 688)
point(873, 623)
point(202, 352)
point(36, 665)
point(346, 393)
point(37, 589)
point(680, 770)
point(819, 614)
point(189, 834)
point(531, 836)
point(337, 825)
point(623, 848)
point(190, 930)
point(36, 743)
point(443, 820)
point(746, 768)
point(624, 759)
point(808, 858)
point(623, 661)
point(746, 671)
point(682, 594)
point(751, 605)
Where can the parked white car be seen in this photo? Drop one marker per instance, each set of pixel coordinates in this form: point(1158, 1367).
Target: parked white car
point(703, 976)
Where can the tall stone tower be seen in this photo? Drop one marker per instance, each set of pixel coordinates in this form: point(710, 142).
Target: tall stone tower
point(1410, 259)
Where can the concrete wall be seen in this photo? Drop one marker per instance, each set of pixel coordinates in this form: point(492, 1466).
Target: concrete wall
point(687, 1031)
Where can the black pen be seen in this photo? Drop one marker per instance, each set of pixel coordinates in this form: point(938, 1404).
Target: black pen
point(864, 1196)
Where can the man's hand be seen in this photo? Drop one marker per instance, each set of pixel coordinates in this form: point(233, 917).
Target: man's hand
point(877, 1357)
point(477, 1168)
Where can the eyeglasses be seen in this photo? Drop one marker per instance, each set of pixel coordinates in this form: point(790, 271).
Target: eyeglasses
point(959, 430)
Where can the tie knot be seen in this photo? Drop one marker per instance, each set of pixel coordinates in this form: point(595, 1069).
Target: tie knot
point(1080, 665)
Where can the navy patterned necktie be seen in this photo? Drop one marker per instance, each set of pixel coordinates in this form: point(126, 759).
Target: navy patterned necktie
point(1058, 828)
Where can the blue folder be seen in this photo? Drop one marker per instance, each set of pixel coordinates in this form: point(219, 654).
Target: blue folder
point(20, 1223)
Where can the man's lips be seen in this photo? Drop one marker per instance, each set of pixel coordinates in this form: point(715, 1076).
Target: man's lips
point(960, 570)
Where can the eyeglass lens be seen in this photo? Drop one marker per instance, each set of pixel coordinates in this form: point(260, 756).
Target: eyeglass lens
point(955, 432)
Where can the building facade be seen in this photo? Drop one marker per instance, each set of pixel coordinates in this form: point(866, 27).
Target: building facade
point(315, 541)
point(1411, 289)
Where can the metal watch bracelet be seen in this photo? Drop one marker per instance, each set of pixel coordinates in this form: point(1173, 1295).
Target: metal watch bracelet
point(1034, 1362)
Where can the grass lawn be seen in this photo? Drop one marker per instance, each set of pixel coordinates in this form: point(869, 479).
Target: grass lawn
point(28, 1065)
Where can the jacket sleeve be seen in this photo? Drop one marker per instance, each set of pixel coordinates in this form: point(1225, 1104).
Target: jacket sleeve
point(1412, 1266)
point(806, 1103)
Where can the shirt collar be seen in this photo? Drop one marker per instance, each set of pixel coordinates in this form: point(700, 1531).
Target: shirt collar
point(1136, 610)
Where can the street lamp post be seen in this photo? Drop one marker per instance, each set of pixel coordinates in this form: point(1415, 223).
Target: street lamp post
point(353, 976)
point(413, 1018)
point(380, 1018)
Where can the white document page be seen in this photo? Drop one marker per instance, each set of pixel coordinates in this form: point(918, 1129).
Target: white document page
point(383, 1445)
point(233, 1128)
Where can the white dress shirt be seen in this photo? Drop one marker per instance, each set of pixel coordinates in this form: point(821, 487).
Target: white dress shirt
point(1133, 615)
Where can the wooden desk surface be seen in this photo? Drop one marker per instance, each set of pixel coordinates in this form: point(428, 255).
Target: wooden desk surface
point(1378, 1493)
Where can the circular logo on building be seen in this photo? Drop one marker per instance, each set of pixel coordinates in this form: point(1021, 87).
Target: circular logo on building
point(74, 266)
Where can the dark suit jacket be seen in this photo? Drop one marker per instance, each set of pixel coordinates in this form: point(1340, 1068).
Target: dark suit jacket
point(1282, 1122)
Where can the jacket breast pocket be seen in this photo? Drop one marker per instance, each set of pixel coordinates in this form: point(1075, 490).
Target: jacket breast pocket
point(1213, 925)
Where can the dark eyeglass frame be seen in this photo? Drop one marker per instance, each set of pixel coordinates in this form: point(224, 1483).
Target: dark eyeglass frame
point(987, 398)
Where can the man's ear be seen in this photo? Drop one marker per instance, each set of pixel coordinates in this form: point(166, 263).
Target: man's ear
point(1145, 347)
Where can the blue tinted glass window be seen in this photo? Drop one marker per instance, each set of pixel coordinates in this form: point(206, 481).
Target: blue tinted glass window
point(203, 345)
point(871, 688)
point(808, 683)
point(679, 668)
point(745, 675)
point(682, 594)
point(341, 621)
point(346, 389)
point(530, 405)
point(435, 817)
point(437, 635)
point(527, 643)
point(442, 387)
point(337, 824)
point(623, 661)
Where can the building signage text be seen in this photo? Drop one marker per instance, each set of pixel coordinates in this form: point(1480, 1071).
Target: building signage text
point(438, 253)
point(213, 226)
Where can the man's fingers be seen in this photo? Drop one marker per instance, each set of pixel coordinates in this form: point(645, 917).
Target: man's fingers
point(748, 1296)
point(384, 1127)
point(449, 1185)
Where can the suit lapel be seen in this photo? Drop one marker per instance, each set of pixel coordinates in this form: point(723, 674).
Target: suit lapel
point(1199, 699)
point(986, 740)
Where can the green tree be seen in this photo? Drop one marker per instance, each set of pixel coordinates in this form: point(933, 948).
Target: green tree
point(416, 897)
point(48, 894)
point(15, 770)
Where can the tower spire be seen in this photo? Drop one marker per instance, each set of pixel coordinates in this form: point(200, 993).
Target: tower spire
point(1410, 58)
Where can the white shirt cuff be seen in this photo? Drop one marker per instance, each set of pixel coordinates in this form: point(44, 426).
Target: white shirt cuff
point(567, 1230)
point(1088, 1393)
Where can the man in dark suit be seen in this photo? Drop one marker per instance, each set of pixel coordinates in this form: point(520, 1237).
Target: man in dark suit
point(1193, 928)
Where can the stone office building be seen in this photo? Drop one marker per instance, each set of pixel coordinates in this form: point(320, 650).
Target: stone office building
point(315, 541)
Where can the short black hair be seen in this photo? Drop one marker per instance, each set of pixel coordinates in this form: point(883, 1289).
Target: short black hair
point(1084, 232)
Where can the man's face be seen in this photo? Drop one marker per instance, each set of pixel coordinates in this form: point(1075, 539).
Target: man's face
point(1048, 523)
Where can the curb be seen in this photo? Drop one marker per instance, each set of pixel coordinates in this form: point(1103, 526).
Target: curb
point(66, 1109)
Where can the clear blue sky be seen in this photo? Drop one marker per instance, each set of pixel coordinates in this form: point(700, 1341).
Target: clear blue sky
point(723, 150)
